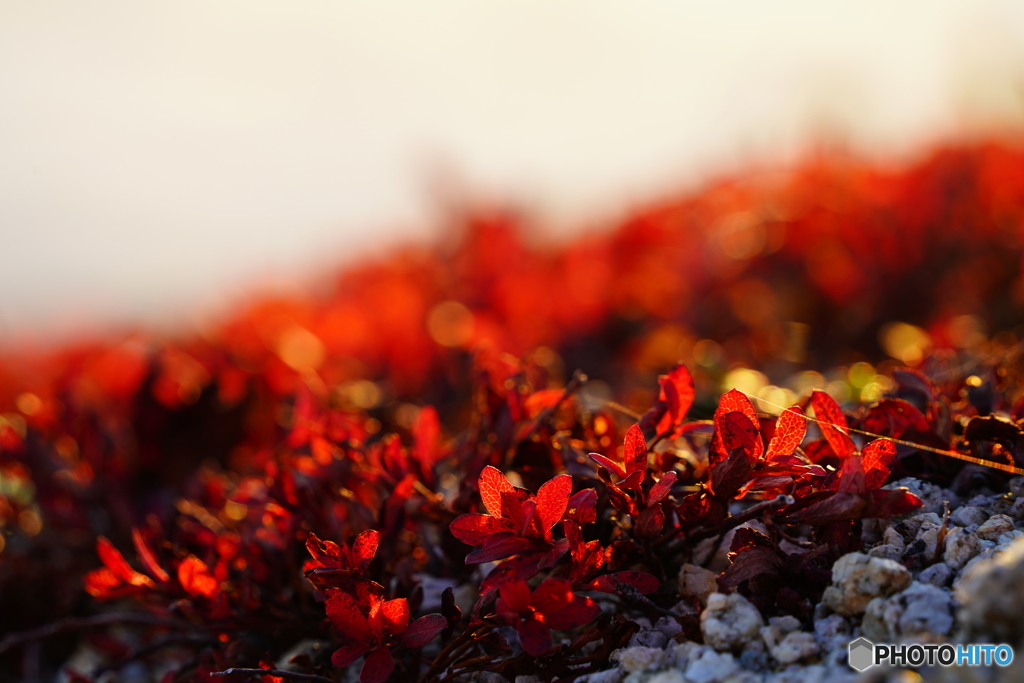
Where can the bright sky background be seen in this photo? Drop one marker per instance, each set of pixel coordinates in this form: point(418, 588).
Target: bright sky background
point(160, 158)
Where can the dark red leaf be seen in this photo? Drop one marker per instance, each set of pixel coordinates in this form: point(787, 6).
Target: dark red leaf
point(833, 424)
point(499, 547)
point(730, 402)
point(535, 637)
point(728, 476)
point(580, 611)
point(344, 613)
point(326, 553)
point(551, 596)
point(643, 582)
point(662, 488)
point(423, 630)
point(609, 465)
point(582, 507)
point(515, 596)
point(347, 654)
point(377, 667)
point(650, 523)
point(635, 450)
point(364, 548)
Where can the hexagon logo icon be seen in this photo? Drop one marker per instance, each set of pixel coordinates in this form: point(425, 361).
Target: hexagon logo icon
point(861, 654)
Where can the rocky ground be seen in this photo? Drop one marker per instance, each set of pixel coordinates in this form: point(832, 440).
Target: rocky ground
point(952, 572)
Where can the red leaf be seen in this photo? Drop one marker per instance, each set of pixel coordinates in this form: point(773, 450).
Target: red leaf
point(326, 553)
point(676, 389)
point(643, 582)
point(575, 538)
point(100, 582)
point(395, 615)
point(526, 511)
point(578, 612)
point(551, 596)
point(610, 465)
point(553, 499)
point(377, 667)
point(833, 424)
point(650, 523)
point(635, 450)
point(877, 459)
point(662, 488)
point(730, 402)
point(344, 613)
point(789, 433)
point(515, 596)
point(425, 432)
point(347, 654)
point(423, 630)
point(364, 548)
point(196, 579)
point(475, 529)
point(119, 567)
point(535, 637)
point(582, 507)
point(888, 503)
point(148, 558)
point(498, 548)
point(730, 475)
point(497, 494)
point(738, 431)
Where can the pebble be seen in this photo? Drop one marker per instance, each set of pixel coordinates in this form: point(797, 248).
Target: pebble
point(921, 609)
point(711, 667)
point(729, 621)
point(698, 582)
point(794, 647)
point(968, 515)
point(639, 658)
point(961, 546)
point(996, 526)
point(938, 574)
point(858, 578)
point(991, 595)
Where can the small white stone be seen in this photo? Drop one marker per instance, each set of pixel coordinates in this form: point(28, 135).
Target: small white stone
point(607, 676)
point(857, 578)
point(996, 525)
point(712, 667)
point(794, 647)
point(937, 575)
point(961, 546)
point(729, 621)
point(892, 537)
point(670, 676)
point(634, 659)
point(968, 515)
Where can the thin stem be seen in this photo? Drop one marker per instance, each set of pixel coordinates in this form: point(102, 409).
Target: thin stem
point(745, 516)
point(274, 672)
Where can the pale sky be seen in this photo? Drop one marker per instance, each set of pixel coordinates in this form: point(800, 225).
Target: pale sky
point(158, 159)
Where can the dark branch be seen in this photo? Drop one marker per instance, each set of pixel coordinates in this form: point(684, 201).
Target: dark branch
point(274, 672)
point(78, 623)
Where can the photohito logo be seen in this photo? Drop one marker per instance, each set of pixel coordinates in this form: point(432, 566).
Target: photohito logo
point(863, 654)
